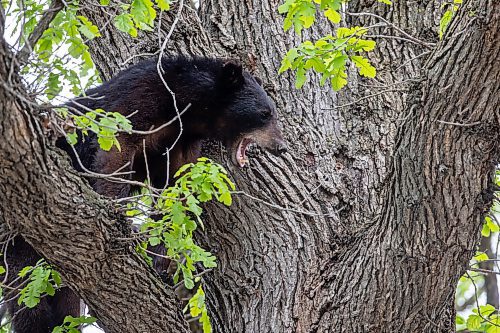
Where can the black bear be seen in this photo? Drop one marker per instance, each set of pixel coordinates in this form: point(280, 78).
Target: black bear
point(223, 102)
point(226, 104)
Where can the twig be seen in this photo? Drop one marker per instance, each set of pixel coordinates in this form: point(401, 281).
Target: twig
point(477, 301)
point(308, 213)
point(365, 97)
point(409, 37)
point(458, 124)
point(148, 177)
point(398, 38)
point(485, 271)
point(414, 58)
point(160, 73)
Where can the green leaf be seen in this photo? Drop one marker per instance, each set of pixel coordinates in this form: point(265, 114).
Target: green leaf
point(473, 322)
point(493, 329)
point(307, 20)
point(491, 224)
point(53, 86)
point(87, 28)
point(387, 2)
point(282, 9)
point(301, 78)
point(106, 143)
point(226, 198)
point(485, 232)
point(72, 138)
point(56, 277)
point(163, 4)
point(333, 15)
point(123, 22)
point(153, 241)
point(338, 80)
point(364, 66)
point(486, 310)
point(143, 13)
point(444, 22)
point(71, 324)
point(365, 45)
point(480, 256)
point(25, 271)
point(76, 48)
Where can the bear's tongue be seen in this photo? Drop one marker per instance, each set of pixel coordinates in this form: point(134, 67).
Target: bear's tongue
point(241, 156)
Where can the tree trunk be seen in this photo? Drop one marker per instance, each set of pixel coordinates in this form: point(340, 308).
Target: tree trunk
point(402, 186)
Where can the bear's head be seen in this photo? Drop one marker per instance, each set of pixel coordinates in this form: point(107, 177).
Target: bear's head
point(247, 115)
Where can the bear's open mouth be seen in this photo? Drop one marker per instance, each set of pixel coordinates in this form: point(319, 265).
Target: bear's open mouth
point(241, 150)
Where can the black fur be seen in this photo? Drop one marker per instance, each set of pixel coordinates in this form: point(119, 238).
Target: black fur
point(227, 104)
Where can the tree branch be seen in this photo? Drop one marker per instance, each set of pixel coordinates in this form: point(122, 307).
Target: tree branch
point(71, 226)
point(2, 20)
point(47, 17)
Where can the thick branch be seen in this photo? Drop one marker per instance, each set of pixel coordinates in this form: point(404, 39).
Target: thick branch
point(65, 221)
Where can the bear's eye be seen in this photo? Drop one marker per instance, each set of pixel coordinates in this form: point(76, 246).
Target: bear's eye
point(266, 113)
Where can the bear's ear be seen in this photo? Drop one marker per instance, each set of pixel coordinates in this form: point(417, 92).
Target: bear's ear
point(258, 79)
point(232, 73)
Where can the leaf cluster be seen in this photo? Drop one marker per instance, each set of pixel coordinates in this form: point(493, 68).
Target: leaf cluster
point(67, 31)
point(483, 319)
point(179, 206)
point(329, 56)
point(43, 280)
point(106, 125)
point(139, 14)
point(197, 308)
point(72, 324)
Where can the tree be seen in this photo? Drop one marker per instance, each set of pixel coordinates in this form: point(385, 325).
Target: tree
point(374, 213)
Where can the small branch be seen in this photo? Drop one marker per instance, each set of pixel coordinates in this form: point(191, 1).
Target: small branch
point(398, 38)
point(458, 124)
point(43, 24)
point(414, 58)
point(286, 209)
point(409, 37)
point(365, 97)
point(159, 68)
point(477, 301)
point(485, 271)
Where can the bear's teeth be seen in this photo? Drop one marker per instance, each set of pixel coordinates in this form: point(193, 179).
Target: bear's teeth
point(242, 162)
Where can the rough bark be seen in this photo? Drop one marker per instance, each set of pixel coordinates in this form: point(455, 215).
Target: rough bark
point(69, 225)
point(394, 175)
point(406, 192)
